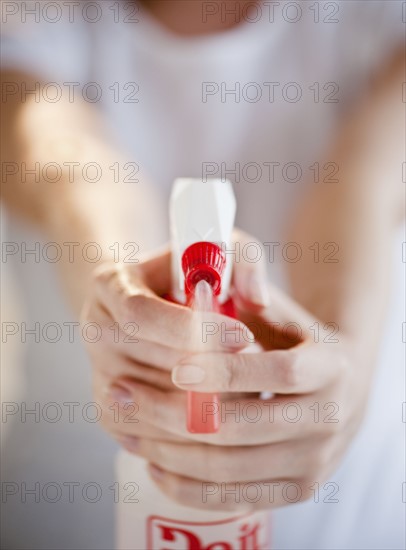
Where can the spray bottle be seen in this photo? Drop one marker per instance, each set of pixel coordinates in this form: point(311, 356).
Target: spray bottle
point(202, 218)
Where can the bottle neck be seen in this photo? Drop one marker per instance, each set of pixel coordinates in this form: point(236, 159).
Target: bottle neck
point(203, 261)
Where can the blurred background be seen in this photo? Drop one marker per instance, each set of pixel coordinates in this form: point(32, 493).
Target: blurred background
point(57, 464)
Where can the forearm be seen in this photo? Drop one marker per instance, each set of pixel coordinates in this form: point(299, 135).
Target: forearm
point(72, 196)
point(359, 214)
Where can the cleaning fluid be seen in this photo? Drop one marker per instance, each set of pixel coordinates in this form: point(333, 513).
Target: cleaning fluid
point(202, 219)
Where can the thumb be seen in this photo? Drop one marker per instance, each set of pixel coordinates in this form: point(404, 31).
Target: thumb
point(249, 272)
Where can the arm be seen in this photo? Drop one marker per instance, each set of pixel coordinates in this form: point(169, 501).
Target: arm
point(360, 214)
point(70, 209)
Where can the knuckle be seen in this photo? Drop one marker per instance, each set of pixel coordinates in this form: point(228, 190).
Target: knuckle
point(229, 375)
point(320, 459)
point(157, 450)
point(290, 372)
point(103, 274)
point(133, 307)
point(106, 336)
point(218, 468)
point(90, 312)
point(158, 412)
point(177, 488)
point(329, 425)
point(234, 367)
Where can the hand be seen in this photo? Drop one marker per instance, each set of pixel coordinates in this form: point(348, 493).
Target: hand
point(142, 337)
point(298, 436)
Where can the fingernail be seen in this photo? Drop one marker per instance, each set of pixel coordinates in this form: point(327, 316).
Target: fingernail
point(131, 443)
point(258, 289)
point(156, 472)
point(188, 374)
point(120, 394)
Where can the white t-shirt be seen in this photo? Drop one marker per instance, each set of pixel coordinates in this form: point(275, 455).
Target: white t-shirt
point(259, 104)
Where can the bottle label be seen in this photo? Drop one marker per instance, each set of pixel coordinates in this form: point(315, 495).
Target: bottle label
point(250, 532)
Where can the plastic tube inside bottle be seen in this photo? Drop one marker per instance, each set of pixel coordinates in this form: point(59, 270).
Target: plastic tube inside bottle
point(203, 409)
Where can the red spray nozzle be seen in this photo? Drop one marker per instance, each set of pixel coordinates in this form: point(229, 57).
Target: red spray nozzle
point(203, 261)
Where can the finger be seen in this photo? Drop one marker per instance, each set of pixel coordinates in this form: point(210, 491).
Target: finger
point(205, 337)
point(283, 317)
point(121, 423)
point(143, 315)
point(243, 421)
point(114, 342)
point(227, 464)
point(253, 294)
point(302, 369)
point(114, 366)
point(129, 436)
point(111, 366)
point(277, 321)
point(241, 497)
point(121, 418)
